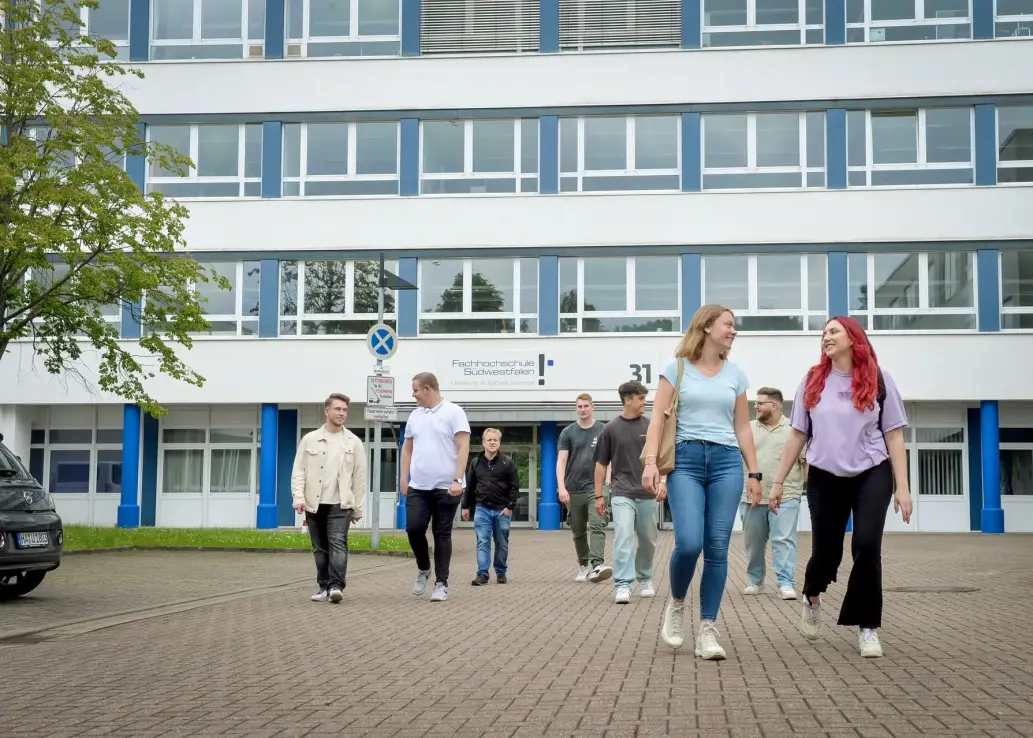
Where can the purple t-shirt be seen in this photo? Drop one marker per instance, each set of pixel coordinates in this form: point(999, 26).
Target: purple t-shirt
point(845, 441)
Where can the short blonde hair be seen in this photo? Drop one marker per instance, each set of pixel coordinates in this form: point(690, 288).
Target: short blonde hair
point(584, 396)
point(491, 430)
point(691, 345)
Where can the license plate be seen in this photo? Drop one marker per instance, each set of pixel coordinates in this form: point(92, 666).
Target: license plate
point(36, 539)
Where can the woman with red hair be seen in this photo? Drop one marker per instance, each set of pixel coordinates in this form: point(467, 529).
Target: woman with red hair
point(854, 417)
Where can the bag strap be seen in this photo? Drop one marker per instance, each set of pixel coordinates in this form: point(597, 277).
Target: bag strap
point(677, 387)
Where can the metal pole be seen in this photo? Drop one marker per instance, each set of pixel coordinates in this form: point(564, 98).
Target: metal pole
point(377, 452)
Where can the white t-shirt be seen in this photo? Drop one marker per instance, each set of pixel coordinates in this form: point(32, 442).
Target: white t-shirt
point(331, 492)
point(434, 453)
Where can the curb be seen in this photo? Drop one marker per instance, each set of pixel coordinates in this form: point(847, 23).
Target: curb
point(230, 549)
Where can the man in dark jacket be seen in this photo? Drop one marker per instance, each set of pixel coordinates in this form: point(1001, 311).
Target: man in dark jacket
point(492, 488)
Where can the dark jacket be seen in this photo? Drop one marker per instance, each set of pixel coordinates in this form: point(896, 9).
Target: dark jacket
point(493, 485)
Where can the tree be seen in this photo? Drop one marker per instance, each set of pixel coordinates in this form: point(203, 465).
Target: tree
point(326, 283)
point(486, 298)
point(78, 239)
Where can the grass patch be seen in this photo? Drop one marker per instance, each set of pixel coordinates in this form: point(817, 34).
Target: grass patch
point(81, 537)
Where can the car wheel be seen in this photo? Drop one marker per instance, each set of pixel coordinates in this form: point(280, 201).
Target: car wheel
point(20, 584)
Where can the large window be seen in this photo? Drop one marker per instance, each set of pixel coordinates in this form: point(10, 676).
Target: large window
point(227, 160)
point(633, 294)
point(914, 291)
point(877, 21)
point(232, 312)
point(109, 20)
point(763, 22)
point(910, 147)
point(760, 150)
point(325, 28)
point(216, 461)
point(479, 27)
point(941, 461)
point(1014, 144)
point(606, 24)
point(1017, 462)
point(769, 292)
point(207, 29)
point(53, 279)
point(1017, 290)
point(340, 159)
point(1014, 19)
point(332, 297)
point(600, 154)
point(479, 156)
point(481, 296)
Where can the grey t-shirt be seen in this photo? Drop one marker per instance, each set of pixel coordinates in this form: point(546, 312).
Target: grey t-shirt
point(579, 443)
point(620, 446)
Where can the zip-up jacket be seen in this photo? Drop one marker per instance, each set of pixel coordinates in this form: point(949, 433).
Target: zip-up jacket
point(493, 484)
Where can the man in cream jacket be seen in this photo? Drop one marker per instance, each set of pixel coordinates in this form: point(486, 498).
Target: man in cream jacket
point(329, 485)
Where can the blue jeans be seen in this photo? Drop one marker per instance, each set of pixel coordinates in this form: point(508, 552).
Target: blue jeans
point(703, 493)
point(633, 521)
point(489, 524)
point(760, 523)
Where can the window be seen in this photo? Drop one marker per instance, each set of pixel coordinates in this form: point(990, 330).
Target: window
point(763, 150)
point(227, 452)
point(109, 20)
point(923, 291)
point(482, 296)
point(763, 22)
point(332, 297)
point(941, 461)
point(910, 147)
point(207, 29)
point(1014, 19)
point(111, 312)
point(325, 28)
point(227, 161)
point(1017, 290)
point(233, 312)
point(479, 156)
point(607, 24)
point(1016, 463)
point(877, 21)
point(620, 154)
point(769, 292)
point(479, 27)
point(1014, 144)
point(633, 294)
point(350, 159)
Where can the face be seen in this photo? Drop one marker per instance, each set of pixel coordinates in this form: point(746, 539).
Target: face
point(723, 332)
point(584, 409)
point(337, 413)
point(766, 407)
point(491, 442)
point(421, 394)
point(835, 341)
point(636, 404)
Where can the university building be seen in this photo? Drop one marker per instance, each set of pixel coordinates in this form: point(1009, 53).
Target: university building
point(566, 182)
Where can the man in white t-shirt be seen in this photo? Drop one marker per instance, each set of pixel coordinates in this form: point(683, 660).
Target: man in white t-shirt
point(434, 456)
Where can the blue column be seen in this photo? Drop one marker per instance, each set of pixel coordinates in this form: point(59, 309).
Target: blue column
point(974, 437)
point(691, 287)
point(269, 298)
point(835, 22)
point(129, 505)
point(691, 23)
point(400, 507)
point(548, 295)
point(130, 325)
point(986, 145)
point(139, 30)
point(839, 284)
point(988, 306)
point(983, 19)
point(149, 473)
point(410, 27)
point(691, 152)
point(549, 26)
point(548, 499)
point(272, 158)
point(548, 155)
point(990, 447)
point(407, 301)
point(136, 164)
point(287, 437)
point(267, 515)
point(835, 149)
point(409, 159)
point(275, 28)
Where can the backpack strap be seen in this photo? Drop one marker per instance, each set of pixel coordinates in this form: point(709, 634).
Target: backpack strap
point(880, 396)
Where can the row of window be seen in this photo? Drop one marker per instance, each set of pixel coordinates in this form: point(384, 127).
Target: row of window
point(236, 29)
point(934, 146)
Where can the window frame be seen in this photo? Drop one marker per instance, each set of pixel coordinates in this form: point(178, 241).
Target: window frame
point(114, 318)
point(629, 312)
point(1021, 21)
point(206, 447)
point(752, 27)
point(299, 317)
point(917, 22)
point(353, 147)
point(630, 122)
point(1016, 446)
point(517, 314)
point(917, 446)
point(196, 40)
point(121, 44)
point(352, 38)
point(237, 316)
point(518, 176)
point(1009, 164)
point(101, 419)
point(193, 177)
point(1010, 309)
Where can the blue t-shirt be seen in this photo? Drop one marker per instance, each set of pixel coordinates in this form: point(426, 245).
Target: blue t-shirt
point(706, 405)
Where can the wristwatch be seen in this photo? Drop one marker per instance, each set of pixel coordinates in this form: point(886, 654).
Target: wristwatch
point(458, 481)
point(756, 475)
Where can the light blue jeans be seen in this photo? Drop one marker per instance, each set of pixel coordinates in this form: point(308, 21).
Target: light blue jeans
point(758, 525)
point(491, 525)
point(634, 521)
point(703, 492)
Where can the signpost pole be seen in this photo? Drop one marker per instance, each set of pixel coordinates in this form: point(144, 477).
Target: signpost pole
point(377, 452)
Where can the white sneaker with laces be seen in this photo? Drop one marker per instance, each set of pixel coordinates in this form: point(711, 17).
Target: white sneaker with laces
point(786, 592)
point(420, 586)
point(336, 595)
point(623, 596)
point(647, 589)
point(868, 643)
point(600, 574)
point(440, 593)
point(810, 622)
point(322, 596)
point(752, 589)
point(672, 631)
point(707, 647)
point(582, 573)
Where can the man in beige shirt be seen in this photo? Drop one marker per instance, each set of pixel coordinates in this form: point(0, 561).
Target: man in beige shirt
point(770, 431)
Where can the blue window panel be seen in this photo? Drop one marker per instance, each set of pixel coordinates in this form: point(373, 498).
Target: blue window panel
point(272, 158)
point(992, 517)
point(409, 164)
point(405, 300)
point(975, 469)
point(139, 30)
point(548, 504)
point(986, 145)
point(128, 515)
point(275, 28)
point(691, 24)
point(691, 152)
point(287, 435)
point(267, 458)
point(835, 149)
point(835, 22)
point(691, 287)
point(548, 295)
point(982, 19)
point(549, 26)
point(839, 284)
point(988, 306)
point(130, 319)
point(410, 27)
point(549, 154)
point(149, 475)
point(136, 164)
point(269, 298)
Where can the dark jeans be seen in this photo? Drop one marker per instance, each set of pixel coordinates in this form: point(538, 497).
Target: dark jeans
point(831, 500)
point(328, 528)
point(422, 506)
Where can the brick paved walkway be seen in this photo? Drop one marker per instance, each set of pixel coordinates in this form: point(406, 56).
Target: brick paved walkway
point(539, 656)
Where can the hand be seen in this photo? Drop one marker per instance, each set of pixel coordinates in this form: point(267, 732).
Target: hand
point(661, 491)
point(902, 504)
point(300, 507)
point(600, 506)
point(650, 478)
point(775, 497)
point(355, 520)
point(455, 490)
point(466, 514)
point(563, 495)
point(753, 492)
point(507, 512)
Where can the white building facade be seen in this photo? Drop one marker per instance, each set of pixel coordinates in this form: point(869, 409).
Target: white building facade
point(566, 183)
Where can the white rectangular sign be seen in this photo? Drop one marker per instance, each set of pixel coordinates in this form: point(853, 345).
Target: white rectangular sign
point(380, 391)
point(379, 412)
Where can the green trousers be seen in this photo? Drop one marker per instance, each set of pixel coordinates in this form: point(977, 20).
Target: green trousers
point(588, 526)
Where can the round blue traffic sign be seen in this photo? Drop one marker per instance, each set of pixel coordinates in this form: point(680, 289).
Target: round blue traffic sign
point(382, 341)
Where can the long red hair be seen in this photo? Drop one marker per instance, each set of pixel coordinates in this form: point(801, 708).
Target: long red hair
point(865, 384)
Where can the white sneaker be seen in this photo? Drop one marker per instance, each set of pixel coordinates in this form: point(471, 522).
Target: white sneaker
point(786, 592)
point(440, 593)
point(810, 622)
point(600, 574)
point(646, 589)
point(420, 587)
point(321, 597)
point(672, 631)
point(335, 595)
point(707, 647)
point(868, 643)
point(752, 589)
point(623, 595)
point(582, 573)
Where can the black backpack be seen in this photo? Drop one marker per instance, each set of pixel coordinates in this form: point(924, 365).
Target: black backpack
point(880, 397)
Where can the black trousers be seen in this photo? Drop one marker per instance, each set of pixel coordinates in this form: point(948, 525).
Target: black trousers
point(328, 529)
point(831, 499)
point(422, 506)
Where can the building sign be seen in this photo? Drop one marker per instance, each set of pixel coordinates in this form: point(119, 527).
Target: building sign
point(496, 370)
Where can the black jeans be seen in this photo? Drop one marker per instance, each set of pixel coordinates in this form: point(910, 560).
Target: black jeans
point(831, 499)
point(328, 528)
point(422, 506)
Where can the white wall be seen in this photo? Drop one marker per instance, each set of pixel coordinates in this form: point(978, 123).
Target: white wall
point(945, 368)
point(800, 216)
point(545, 80)
point(16, 427)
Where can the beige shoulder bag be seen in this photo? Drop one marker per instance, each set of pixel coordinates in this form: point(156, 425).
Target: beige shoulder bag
point(668, 430)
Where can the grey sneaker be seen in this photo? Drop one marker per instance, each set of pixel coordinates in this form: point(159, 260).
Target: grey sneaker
point(440, 593)
point(810, 620)
point(336, 595)
point(600, 574)
point(322, 596)
point(420, 587)
point(672, 631)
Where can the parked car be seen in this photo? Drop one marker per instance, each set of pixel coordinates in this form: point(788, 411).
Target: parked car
point(31, 532)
